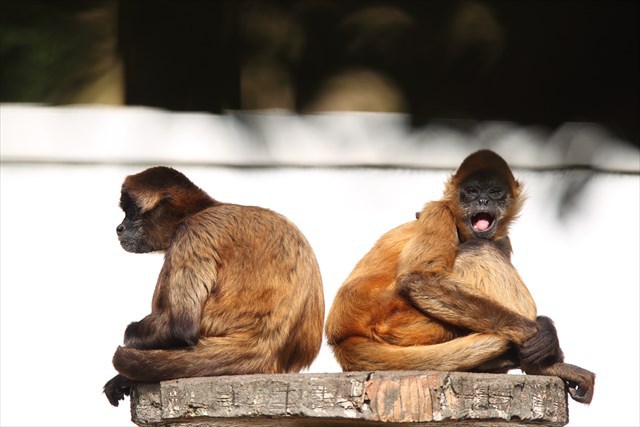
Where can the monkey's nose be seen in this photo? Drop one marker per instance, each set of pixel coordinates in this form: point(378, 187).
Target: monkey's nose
point(119, 229)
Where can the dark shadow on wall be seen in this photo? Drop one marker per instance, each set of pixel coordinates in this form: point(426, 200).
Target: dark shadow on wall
point(531, 62)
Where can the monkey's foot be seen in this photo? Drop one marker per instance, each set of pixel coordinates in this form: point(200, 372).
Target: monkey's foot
point(116, 388)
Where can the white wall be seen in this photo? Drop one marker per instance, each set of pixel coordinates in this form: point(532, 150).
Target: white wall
point(68, 290)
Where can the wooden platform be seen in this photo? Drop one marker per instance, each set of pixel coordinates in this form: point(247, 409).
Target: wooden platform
point(353, 399)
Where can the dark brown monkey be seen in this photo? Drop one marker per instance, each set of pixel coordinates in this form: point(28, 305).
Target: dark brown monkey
point(240, 290)
point(441, 293)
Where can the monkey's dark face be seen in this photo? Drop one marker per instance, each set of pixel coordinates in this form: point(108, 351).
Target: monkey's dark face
point(142, 232)
point(132, 236)
point(484, 198)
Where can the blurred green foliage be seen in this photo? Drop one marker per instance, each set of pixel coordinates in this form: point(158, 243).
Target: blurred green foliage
point(51, 49)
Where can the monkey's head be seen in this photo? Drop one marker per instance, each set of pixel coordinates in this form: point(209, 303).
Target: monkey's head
point(154, 202)
point(485, 196)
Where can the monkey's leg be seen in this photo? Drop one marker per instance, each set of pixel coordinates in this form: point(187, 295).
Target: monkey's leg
point(212, 356)
point(501, 364)
point(459, 354)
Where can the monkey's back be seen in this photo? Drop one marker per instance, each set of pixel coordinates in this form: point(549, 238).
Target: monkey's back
point(267, 286)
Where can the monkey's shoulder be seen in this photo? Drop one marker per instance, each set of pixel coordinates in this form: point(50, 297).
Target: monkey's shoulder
point(233, 214)
point(225, 221)
point(398, 237)
point(386, 251)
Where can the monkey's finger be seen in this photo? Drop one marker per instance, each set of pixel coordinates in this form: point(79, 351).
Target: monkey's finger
point(538, 347)
point(580, 393)
point(542, 339)
point(535, 355)
point(116, 388)
point(580, 382)
point(532, 350)
point(113, 396)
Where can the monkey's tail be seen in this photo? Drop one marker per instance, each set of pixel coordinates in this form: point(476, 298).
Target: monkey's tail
point(460, 354)
point(222, 358)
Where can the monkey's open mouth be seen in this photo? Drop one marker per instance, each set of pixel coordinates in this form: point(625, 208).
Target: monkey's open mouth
point(482, 221)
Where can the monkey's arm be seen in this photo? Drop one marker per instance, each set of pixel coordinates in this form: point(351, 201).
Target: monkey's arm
point(539, 351)
point(479, 290)
point(455, 303)
point(183, 286)
point(160, 330)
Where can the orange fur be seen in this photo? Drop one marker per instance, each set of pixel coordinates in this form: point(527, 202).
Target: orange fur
point(435, 293)
point(371, 325)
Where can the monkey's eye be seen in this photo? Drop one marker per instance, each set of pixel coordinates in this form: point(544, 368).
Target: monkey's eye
point(496, 193)
point(470, 191)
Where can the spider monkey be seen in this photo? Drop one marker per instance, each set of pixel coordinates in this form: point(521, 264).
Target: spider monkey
point(441, 293)
point(240, 290)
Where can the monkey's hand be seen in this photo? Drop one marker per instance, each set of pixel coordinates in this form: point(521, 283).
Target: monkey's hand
point(133, 336)
point(116, 388)
point(543, 349)
point(580, 382)
point(156, 331)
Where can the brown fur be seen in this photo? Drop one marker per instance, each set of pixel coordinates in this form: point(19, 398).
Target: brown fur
point(430, 295)
point(240, 290)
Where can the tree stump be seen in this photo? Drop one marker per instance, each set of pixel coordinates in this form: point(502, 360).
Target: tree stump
point(353, 399)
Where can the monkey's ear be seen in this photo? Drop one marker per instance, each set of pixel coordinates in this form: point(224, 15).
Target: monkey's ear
point(148, 200)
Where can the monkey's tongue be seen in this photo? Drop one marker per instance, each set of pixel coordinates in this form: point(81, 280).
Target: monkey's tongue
point(482, 222)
